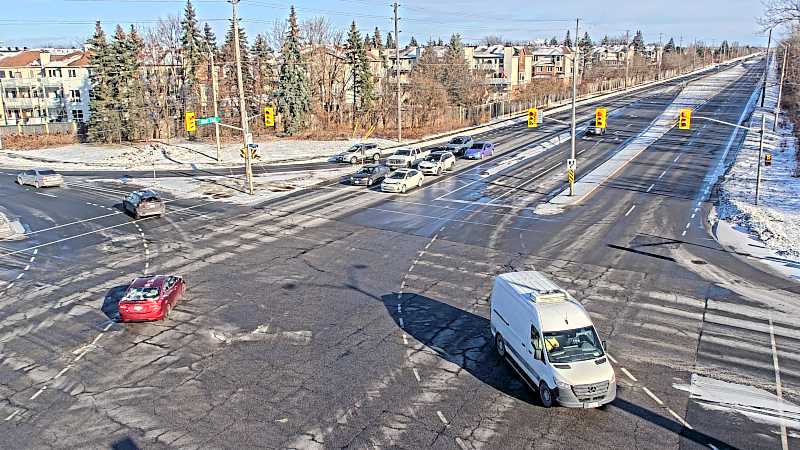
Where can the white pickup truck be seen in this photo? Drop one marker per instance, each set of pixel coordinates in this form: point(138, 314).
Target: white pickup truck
point(407, 157)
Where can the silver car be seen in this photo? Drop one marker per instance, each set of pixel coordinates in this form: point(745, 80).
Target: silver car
point(143, 204)
point(40, 178)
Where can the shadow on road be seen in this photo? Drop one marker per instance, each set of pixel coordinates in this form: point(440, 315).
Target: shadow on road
point(111, 302)
point(124, 444)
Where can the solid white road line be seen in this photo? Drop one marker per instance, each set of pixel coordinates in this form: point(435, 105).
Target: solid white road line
point(38, 393)
point(46, 195)
point(442, 418)
point(12, 415)
point(680, 419)
point(628, 374)
point(653, 396)
point(630, 210)
point(416, 374)
point(778, 388)
point(651, 187)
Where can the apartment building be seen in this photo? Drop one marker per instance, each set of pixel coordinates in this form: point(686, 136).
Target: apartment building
point(505, 67)
point(44, 86)
point(553, 62)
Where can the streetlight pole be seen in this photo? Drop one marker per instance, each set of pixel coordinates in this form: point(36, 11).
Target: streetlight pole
point(780, 88)
point(660, 54)
point(627, 57)
point(246, 136)
point(574, 95)
point(766, 69)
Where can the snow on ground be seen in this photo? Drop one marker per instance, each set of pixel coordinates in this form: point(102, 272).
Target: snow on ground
point(776, 220)
point(232, 188)
point(175, 153)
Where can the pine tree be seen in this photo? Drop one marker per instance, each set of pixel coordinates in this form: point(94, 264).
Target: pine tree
point(228, 58)
point(363, 84)
point(567, 40)
point(367, 43)
point(293, 87)
point(192, 52)
point(440, 43)
point(456, 77)
point(638, 42)
point(103, 121)
point(389, 40)
point(262, 69)
point(586, 43)
point(413, 42)
point(209, 40)
point(136, 114)
point(670, 47)
point(553, 41)
point(377, 41)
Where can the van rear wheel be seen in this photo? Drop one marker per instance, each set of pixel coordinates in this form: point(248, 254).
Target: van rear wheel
point(500, 345)
point(545, 395)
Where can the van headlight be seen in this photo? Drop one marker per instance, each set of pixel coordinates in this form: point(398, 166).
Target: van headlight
point(613, 377)
point(563, 385)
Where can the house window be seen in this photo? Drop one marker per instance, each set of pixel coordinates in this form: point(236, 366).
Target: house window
point(53, 73)
point(75, 94)
point(77, 114)
point(2, 73)
point(549, 68)
point(72, 73)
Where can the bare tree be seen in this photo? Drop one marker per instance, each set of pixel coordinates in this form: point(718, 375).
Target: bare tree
point(780, 12)
point(492, 39)
point(317, 31)
point(276, 34)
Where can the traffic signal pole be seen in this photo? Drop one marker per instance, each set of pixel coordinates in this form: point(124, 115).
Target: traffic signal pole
point(574, 96)
point(214, 89)
point(246, 136)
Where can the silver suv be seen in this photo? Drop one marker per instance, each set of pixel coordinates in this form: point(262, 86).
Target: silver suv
point(459, 144)
point(143, 204)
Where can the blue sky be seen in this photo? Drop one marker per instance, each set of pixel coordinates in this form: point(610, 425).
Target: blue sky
point(67, 22)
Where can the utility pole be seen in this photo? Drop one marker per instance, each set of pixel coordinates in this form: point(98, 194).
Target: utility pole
point(215, 89)
point(246, 136)
point(660, 53)
point(627, 56)
point(760, 155)
point(766, 69)
point(397, 72)
point(694, 55)
point(780, 89)
point(574, 95)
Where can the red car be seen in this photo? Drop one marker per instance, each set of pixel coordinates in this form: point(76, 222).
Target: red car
point(151, 298)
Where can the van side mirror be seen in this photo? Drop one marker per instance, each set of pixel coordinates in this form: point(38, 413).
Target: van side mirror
point(605, 345)
point(538, 355)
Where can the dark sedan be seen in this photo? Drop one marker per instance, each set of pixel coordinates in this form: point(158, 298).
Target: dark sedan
point(369, 175)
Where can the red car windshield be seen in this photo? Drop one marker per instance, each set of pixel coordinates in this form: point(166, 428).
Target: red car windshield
point(141, 294)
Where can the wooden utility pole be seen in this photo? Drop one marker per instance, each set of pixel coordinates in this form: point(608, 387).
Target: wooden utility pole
point(766, 69)
point(780, 88)
point(215, 89)
point(397, 72)
point(246, 136)
point(627, 57)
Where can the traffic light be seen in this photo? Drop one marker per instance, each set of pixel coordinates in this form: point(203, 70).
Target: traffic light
point(685, 121)
point(600, 115)
point(768, 159)
point(533, 118)
point(253, 152)
point(269, 116)
point(190, 120)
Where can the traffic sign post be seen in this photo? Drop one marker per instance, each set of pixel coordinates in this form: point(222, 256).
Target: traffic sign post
point(571, 168)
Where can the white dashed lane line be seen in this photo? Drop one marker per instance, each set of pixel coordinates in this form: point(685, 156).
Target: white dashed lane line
point(630, 210)
point(21, 274)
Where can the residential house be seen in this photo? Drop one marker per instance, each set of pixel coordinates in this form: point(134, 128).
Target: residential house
point(44, 86)
point(553, 62)
point(611, 55)
point(505, 67)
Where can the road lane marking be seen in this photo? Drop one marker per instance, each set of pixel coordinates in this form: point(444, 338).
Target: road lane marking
point(680, 419)
point(630, 210)
point(611, 358)
point(684, 233)
point(442, 418)
point(653, 396)
point(778, 387)
point(676, 158)
point(662, 174)
point(628, 374)
point(416, 374)
point(38, 393)
point(405, 339)
point(688, 225)
point(651, 187)
point(402, 325)
point(46, 195)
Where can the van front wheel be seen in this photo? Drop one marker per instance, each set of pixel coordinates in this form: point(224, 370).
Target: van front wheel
point(545, 395)
point(500, 345)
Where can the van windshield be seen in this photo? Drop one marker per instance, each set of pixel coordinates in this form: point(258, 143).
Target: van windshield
point(569, 346)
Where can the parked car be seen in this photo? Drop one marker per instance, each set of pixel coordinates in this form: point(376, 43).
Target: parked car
point(369, 175)
point(592, 130)
point(407, 157)
point(550, 337)
point(459, 144)
point(144, 203)
point(360, 153)
point(402, 180)
point(479, 150)
point(40, 178)
point(437, 162)
point(151, 298)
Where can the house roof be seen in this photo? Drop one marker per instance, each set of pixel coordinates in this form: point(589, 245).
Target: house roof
point(30, 58)
point(552, 51)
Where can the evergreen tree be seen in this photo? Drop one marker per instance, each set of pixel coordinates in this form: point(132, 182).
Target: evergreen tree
point(670, 47)
point(192, 51)
point(567, 40)
point(638, 42)
point(228, 58)
point(293, 87)
point(363, 85)
point(367, 43)
point(389, 40)
point(262, 70)
point(209, 40)
point(413, 42)
point(553, 41)
point(103, 120)
point(455, 48)
point(136, 105)
point(377, 40)
point(606, 41)
point(440, 43)
point(456, 76)
point(586, 44)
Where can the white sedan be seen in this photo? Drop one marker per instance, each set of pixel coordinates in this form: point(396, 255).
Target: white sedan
point(402, 180)
point(40, 178)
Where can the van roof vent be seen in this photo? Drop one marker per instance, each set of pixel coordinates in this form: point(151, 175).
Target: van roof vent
point(548, 297)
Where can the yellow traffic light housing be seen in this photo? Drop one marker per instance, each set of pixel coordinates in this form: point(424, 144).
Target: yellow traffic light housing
point(768, 159)
point(269, 116)
point(685, 120)
point(600, 115)
point(533, 118)
point(190, 120)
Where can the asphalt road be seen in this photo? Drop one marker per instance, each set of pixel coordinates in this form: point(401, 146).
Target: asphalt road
point(342, 317)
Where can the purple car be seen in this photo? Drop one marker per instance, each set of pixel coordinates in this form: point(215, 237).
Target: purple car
point(479, 150)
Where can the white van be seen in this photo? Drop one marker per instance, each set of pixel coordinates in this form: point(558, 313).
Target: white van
point(551, 339)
